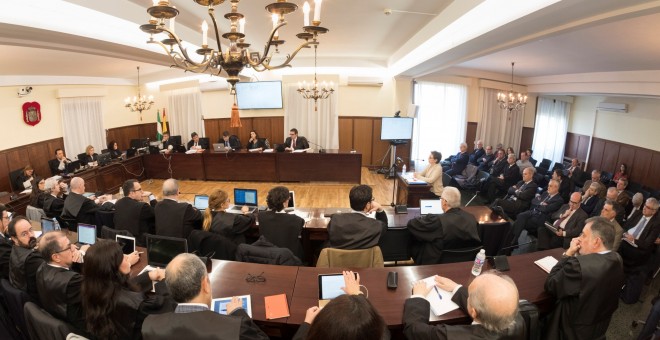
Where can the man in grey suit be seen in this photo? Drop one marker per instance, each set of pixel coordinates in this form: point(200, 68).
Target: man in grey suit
point(190, 286)
point(569, 221)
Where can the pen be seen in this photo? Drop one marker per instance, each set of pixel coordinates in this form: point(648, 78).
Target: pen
point(436, 290)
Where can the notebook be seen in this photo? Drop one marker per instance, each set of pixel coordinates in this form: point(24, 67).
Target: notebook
point(243, 197)
point(546, 263)
point(276, 306)
point(432, 206)
point(201, 202)
point(86, 233)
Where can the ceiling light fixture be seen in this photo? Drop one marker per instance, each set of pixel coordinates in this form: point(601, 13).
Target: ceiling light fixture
point(236, 56)
point(312, 91)
point(512, 101)
point(139, 103)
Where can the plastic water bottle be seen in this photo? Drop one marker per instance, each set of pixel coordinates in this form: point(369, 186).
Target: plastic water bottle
point(403, 170)
point(479, 262)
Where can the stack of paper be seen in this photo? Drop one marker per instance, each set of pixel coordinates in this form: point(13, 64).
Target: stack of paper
point(546, 263)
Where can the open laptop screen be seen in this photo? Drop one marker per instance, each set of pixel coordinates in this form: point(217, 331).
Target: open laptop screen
point(245, 197)
point(162, 249)
point(432, 206)
point(47, 225)
point(86, 233)
point(201, 202)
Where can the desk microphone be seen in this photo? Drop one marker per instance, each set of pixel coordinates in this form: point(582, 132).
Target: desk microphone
point(499, 252)
point(321, 149)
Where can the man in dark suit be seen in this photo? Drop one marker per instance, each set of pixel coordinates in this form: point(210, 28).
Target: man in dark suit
point(54, 199)
point(230, 141)
point(478, 153)
point(5, 243)
point(58, 164)
point(622, 197)
point(189, 284)
point(509, 176)
point(79, 207)
point(591, 197)
point(196, 143)
point(575, 170)
point(485, 162)
point(132, 213)
point(541, 211)
point(497, 165)
point(569, 221)
point(595, 178)
point(639, 237)
point(519, 197)
point(452, 230)
point(458, 162)
point(295, 142)
point(357, 230)
point(174, 218)
point(586, 283)
point(166, 142)
point(24, 260)
point(492, 305)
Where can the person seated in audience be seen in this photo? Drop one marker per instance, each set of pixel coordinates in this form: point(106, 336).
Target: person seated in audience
point(190, 286)
point(611, 196)
point(280, 228)
point(491, 300)
point(230, 225)
point(294, 142)
point(458, 162)
point(90, 157)
point(591, 197)
point(348, 317)
point(585, 283)
point(477, 153)
point(575, 170)
point(641, 232)
point(196, 144)
point(432, 174)
point(496, 167)
point(132, 213)
point(509, 176)
point(79, 207)
point(54, 200)
point(485, 162)
point(27, 175)
point(635, 205)
point(58, 164)
point(500, 146)
point(569, 221)
point(540, 211)
point(24, 259)
point(529, 153)
point(621, 174)
point(230, 141)
point(255, 142)
point(114, 306)
point(595, 178)
point(113, 149)
point(509, 151)
point(357, 230)
point(610, 211)
point(174, 218)
point(38, 193)
point(622, 196)
point(519, 196)
point(5, 243)
point(57, 283)
point(454, 229)
point(524, 163)
point(565, 188)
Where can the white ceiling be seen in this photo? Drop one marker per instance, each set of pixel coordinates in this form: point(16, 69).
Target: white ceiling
point(568, 37)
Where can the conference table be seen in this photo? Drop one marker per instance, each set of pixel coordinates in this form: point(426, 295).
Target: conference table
point(228, 278)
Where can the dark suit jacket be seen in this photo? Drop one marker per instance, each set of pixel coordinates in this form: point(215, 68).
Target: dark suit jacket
point(587, 290)
point(72, 299)
point(590, 204)
point(53, 206)
point(459, 163)
point(416, 322)
point(476, 155)
point(432, 233)
point(259, 143)
point(231, 226)
point(486, 161)
point(28, 268)
point(18, 182)
point(88, 159)
point(283, 230)
point(574, 225)
point(355, 230)
point(135, 216)
point(202, 142)
point(523, 197)
point(634, 257)
point(234, 142)
point(5, 252)
point(176, 219)
point(511, 174)
point(80, 208)
point(498, 166)
point(54, 164)
point(301, 143)
point(202, 325)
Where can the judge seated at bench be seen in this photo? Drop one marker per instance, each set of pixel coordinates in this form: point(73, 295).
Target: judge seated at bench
point(230, 141)
point(197, 143)
point(295, 142)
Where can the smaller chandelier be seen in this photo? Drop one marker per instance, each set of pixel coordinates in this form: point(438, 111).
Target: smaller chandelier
point(512, 101)
point(139, 103)
point(313, 90)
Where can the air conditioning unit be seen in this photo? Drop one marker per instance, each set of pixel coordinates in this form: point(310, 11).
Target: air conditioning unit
point(365, 81)
point(613, 107)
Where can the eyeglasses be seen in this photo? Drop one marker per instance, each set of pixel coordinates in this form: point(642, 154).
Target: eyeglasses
point(573, 202)
point(255, 278)
point(69, 248)
point(649, 208)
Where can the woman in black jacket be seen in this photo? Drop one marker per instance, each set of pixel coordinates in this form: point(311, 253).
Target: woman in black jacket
point(113, 149)
point(255, 142)
point(232, 226)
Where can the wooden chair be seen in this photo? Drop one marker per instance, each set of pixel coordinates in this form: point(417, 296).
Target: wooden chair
point(359, 258)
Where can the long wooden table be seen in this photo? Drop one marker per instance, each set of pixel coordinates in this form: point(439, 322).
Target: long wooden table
point(332, 166)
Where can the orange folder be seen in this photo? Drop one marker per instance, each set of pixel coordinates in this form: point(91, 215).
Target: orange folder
point(276, 306)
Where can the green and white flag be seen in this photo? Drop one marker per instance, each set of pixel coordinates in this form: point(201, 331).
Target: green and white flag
point(159, 127)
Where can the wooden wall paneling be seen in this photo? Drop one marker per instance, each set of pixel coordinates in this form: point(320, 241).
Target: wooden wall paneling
point(610, 156)
point(264, 129)
point(277, 129)
point(380, 147)
point(626, 156)
point(345, 132)
point(363, 139)
point(39, 157)
point(596, 156)
point(652, 180)
point(4, 173)
point(211, 129)
point(526, 138)
point(571, 145)
point(148, 130)
point(641, 170)
point(18, 158)
point(470, 136)
point(54, 144)
point(583, 147)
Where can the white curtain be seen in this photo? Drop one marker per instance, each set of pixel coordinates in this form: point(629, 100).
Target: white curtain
point(319, 127)
point(441, 120)
point(185, 114)
point(497, 125)
point(550, 129)
point(82, 124)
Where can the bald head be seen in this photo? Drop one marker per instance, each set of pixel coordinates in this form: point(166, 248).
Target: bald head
point(187, 280)
point(493, 301)
point(77, 185)
point(171, 188)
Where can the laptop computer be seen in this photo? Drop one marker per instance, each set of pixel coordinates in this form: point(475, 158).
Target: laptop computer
point(430, 206)
point(48, 224)
point(127, 243)
point(162, 249)
point(247, 197)
point(86, 234)
point(104, 158)
point(219, 147)
point(201, 202)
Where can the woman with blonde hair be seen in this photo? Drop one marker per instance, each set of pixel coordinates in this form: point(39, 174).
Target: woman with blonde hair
point(217, 220)
point(90, 156)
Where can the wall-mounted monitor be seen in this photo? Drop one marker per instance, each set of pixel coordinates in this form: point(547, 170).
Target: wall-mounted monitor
point(396, 128)
point(259, 95)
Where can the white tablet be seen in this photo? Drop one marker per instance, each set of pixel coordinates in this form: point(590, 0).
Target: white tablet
point(127, 243)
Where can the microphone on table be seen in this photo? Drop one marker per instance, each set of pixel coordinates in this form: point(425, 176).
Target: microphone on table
point(321, 149)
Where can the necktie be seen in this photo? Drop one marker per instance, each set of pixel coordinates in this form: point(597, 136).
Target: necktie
point(293, 143)
point(562, 218)
point(640, 227)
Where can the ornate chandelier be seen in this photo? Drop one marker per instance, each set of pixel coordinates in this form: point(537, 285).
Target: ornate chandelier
point(139, 103)
point(312, 91)
point(236, 55)
point(511, 101)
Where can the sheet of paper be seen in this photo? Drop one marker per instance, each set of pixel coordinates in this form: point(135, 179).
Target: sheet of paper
point(439, 299)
